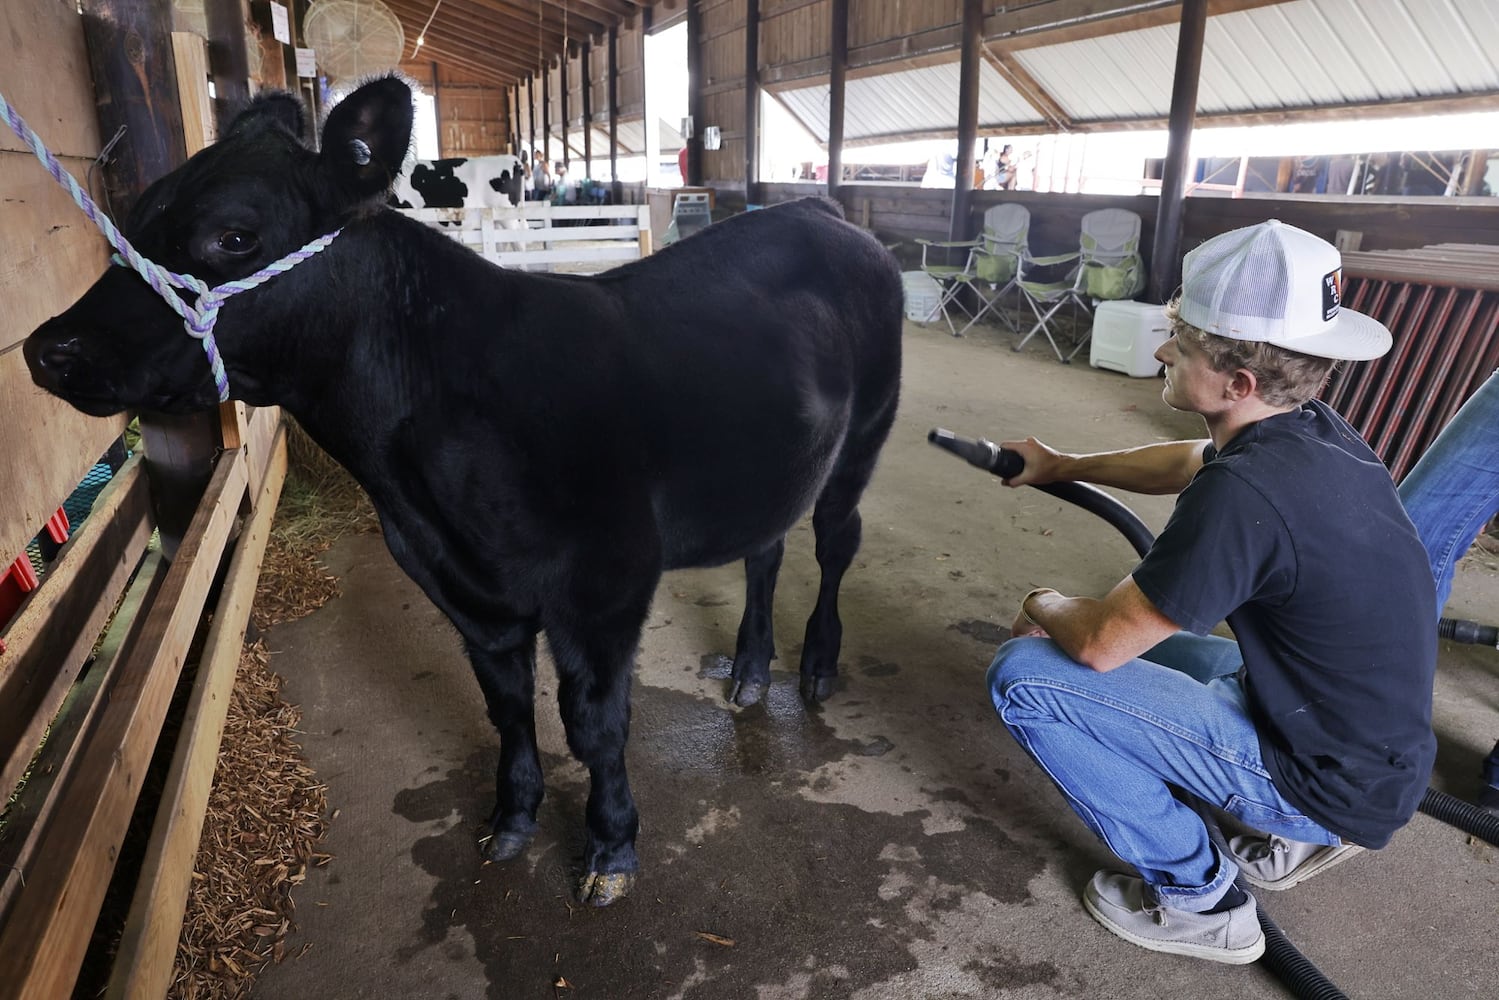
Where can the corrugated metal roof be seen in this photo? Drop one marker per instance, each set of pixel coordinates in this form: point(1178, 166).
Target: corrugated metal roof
point(1303, 54)
point(913, 100)
point(1298, 55)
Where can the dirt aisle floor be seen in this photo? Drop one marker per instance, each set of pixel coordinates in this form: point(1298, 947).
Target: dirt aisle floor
point(894, 843)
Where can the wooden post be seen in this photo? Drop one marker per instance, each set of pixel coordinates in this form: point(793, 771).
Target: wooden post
point(564, 84)
point(968, 118)
point(546, 113)
point(615, 191)
point(531, 113)
point(1477, 163)
point(1165, 256)
point(135, 80)
point(226, 58)
point(694, 176)
point(752, 102)
point(135, 83)
point(837, 85)
point(587, 58)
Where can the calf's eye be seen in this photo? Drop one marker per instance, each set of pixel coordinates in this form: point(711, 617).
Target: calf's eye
point(236, 242)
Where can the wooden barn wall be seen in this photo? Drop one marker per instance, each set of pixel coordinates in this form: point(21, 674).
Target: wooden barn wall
point(630, 66)
point(723, 87)
point(906, 214)
point(873, 21)
point(793, 31)
point(473, 115)
point(598, 87)
point(49, 255)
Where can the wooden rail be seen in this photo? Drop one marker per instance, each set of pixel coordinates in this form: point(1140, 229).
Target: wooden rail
point(85, 715)
point(533, 236)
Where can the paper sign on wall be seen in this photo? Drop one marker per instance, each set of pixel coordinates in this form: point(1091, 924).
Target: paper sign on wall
point(306, 63)
point(280, 23)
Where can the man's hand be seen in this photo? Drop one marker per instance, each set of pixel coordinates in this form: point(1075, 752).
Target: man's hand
point(1024, 625)
point(1040, 462)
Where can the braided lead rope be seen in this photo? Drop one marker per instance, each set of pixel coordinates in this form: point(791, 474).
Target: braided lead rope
point(198, 320)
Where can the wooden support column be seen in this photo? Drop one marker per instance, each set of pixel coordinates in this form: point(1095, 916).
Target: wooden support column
point(968, 118)
point(614, 113)
point(752, 102)
point(531, 109)
point(565, 85)
point(1165, 255)
point(135, 81)
point(227, 62)
point(587, 110)
point(546, 113)
point(694, 176)
point(837, 86)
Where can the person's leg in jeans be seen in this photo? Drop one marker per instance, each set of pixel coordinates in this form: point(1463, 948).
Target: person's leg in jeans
point(1453, 490)
point(1116, 743)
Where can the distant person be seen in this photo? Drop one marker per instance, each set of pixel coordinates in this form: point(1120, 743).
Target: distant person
point(542, 177)
point(564, 188)
point(1005, 179)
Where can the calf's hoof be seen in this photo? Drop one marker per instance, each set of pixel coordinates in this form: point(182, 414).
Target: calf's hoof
point(817, 689)
point(504, 845)
point(747, 693)
point(603, 888)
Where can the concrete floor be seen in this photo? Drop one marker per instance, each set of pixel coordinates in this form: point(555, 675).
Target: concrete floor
point(894, 843)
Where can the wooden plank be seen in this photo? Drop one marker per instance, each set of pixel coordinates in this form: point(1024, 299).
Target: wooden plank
point(46, 448)
point(36, 802)
point(148, 945)
point(46, 933)
point(49, 252)
point(45, 76)
point(50, 640)
point(190, 55)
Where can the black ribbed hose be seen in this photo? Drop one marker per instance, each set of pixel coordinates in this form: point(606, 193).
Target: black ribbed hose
point(1464, 815)
point(1289, 965)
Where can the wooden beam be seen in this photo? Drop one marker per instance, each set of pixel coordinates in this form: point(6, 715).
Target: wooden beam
point(1053, 23)
point(1027, 86)
point(148, 945)
point(46, 932)
point(586, 66)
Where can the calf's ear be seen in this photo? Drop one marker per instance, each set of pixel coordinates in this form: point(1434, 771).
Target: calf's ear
point(366, 136)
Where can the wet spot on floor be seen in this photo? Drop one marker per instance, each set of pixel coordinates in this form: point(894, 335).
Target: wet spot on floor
point(871, 667)
point(744, 859)
point(986, 632)
point(423, 675)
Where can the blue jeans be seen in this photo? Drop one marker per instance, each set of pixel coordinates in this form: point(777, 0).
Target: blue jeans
point(1116, 744)
point(1454, 489)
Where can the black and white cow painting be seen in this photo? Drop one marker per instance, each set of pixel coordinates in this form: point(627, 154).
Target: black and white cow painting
point(460, 182)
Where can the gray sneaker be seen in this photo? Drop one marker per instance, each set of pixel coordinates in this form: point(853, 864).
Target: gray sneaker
point(1125, 906)
point(1275, 863)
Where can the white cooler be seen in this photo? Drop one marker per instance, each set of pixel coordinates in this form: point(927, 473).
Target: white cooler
point(1125, 337)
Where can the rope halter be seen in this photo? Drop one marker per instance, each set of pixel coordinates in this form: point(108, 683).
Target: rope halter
point(199, 319)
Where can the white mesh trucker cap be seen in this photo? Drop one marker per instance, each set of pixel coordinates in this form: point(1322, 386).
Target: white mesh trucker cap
point(1280, 285)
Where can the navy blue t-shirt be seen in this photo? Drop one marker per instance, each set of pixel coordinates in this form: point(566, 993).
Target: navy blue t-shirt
point(1295, 535)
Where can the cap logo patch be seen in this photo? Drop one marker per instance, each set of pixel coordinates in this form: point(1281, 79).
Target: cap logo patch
point(1332, 294)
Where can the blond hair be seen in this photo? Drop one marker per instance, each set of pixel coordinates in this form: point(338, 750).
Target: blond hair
point(1282, 377)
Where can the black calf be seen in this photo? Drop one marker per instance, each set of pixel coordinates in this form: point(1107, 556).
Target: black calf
point(540, 448)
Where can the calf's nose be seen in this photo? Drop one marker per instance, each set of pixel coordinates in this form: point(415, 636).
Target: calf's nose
point(49, 353)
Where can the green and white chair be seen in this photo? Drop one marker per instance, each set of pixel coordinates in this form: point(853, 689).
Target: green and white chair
point(1107, 267)
point(951, 277)
point(999, 259)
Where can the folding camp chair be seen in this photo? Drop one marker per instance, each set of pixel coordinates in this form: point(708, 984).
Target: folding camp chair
point(951, 278)
point(998, 259)
point(1108, 266)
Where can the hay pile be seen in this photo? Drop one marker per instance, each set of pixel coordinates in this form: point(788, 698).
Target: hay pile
point(264, 821)
point(266, 813)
